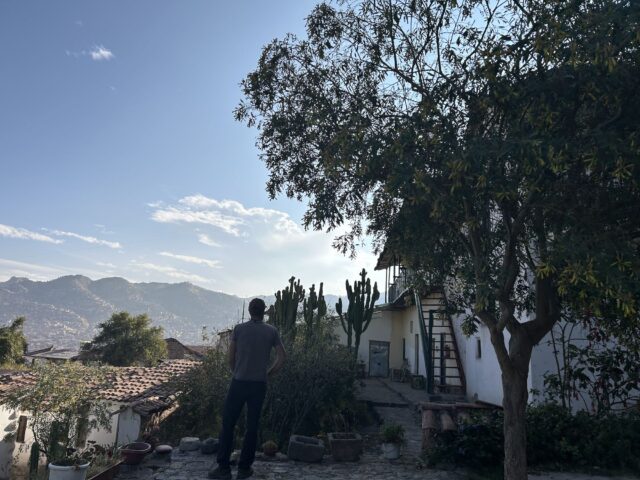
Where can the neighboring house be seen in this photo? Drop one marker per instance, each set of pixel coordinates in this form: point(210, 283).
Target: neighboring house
point(51, 354)
point(176, 350)
point(224, 339)
point(397, 339)
point(139, 399)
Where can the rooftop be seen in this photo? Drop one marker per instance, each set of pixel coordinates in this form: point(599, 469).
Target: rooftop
point(146, 389)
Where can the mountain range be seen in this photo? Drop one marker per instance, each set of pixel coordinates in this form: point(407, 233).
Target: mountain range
point(66, 311)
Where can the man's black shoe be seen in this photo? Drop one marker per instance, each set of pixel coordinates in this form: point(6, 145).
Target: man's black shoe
point(220, 473)
point(244, 473)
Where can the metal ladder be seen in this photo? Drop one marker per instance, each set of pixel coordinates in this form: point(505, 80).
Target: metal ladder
point(443, 364)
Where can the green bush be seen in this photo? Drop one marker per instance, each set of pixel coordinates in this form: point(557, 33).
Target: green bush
point(312, 394)
point(555, 439)
point(392, 433)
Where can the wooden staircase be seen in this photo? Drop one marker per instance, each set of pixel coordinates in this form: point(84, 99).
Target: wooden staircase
point(446, 364)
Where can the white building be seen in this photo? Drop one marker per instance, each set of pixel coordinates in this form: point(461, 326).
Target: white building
point(460, 365)
point(139, 398)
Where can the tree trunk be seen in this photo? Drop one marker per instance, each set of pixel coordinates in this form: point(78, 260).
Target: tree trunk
point(515, 394)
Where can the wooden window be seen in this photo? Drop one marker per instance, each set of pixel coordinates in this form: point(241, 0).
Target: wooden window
point(22, 429)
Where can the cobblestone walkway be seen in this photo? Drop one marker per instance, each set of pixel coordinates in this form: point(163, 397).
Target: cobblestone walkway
point(393, 408)
point(188, 466)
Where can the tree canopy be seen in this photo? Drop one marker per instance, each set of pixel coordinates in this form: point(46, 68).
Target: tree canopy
point(493, 145)
point(13, 343)
point(126, 340)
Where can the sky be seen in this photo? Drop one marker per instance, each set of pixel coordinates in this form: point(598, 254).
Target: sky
point(119, 154)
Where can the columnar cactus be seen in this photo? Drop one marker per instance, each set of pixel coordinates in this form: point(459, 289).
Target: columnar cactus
point(362, 300)
point(283, 313)
point(34, 460)
point(313, 309)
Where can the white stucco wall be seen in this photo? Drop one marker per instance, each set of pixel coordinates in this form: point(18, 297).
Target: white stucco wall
point(380, 329)
point(128, 429)
point(125, 428)
point(482, 375)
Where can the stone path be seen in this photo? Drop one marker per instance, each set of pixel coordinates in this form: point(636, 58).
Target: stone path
point(194, 465)
point(392, 407)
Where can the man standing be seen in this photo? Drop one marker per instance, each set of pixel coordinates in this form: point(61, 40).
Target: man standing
point(249, 353)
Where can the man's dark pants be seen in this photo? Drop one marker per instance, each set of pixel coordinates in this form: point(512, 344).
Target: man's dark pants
point(241, 392)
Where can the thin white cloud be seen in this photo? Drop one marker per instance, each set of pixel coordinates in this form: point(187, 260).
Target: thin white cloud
point(100, 53)
point(86, 238)
point(230, 216)
point(207, 240)
point(191, 259)
point(170, 272)
point(266, 246)
point(24, 234)
point(13, 268)
point(226, 223)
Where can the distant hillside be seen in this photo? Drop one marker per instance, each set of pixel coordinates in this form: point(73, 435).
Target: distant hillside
point(67, 310)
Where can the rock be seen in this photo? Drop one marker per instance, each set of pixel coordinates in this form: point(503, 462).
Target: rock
point(234, 457)
point(163, 449)
point(305, 449)
point(209, 446)
point(189, 444)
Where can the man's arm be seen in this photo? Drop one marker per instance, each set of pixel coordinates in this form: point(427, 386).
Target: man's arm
point(281, 356)
point(231, 355)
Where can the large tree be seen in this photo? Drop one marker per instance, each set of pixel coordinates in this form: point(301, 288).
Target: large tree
point(126, 340)
point(13, 343)
point(492, 144)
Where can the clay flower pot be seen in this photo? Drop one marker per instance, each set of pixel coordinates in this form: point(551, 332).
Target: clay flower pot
point(133, 453)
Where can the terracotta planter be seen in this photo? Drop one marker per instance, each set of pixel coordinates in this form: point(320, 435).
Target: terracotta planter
point(108, 473)
point(133, 453)
point(345, 447)
point(63, 472)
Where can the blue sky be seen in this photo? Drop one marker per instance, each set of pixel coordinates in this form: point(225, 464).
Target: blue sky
point(120, 155)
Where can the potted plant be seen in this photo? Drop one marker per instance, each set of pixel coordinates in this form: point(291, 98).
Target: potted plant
point(270, 448)
point(392, 440)
point(63, 409)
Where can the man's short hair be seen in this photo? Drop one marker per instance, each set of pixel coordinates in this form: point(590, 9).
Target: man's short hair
point(257, 307)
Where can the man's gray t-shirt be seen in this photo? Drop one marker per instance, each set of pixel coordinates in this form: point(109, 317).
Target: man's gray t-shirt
point(254, 341)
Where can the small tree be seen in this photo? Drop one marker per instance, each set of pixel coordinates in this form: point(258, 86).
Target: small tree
point(494, 143)
point(62, 406)
point(126, 340)
point(359, 313)
point(13, 344)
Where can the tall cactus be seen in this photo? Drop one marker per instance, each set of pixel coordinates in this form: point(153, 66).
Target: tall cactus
point(34, 460)
point(314, 308)
point(283, 313)
point(362, 300)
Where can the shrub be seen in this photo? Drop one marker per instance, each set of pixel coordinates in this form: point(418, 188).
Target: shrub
point(313, 393)
point(556, 438)
point(392, 433)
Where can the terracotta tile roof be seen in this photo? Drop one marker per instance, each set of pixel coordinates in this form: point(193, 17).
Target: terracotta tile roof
point(13, 380)
point(146, 389)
